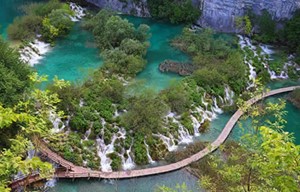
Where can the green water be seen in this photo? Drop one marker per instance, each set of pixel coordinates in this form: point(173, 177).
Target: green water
point(159, 50)
point(144, 184)
point(9, 12)
point(72, 58)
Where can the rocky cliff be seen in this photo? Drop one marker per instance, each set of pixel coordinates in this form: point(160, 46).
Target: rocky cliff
point(132, 7)
point(218, 14)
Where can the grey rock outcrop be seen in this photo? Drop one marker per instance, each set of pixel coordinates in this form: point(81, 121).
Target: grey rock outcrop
point(220, 14)
point(217, 14)
point(137, 8)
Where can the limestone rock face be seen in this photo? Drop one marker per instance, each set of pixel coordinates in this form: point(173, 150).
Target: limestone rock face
point(217, 14)
point(220, 14)
point(125, 6)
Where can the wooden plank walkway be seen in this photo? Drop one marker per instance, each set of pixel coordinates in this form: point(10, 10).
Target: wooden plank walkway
point(74, 171)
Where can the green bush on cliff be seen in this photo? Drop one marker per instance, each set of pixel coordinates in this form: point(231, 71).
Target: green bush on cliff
point(176, 11)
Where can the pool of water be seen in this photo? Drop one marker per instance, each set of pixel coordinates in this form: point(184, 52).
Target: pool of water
point(144, 184)
point(159, 50)
point(72, 58)
point(10, 9)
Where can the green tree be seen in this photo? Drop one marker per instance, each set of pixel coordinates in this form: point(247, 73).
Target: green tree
point(145, 114)
point(14, 74)
point(58, 23)
point(181, 11)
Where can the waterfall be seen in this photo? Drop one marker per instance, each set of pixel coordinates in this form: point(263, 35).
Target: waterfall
point(79, 12)
point(168, 141)
point(204, 102)
point(103, 150)
point(57, 123)
point(184, 135)
point(150, 160)
point(128, 164)
point(81, 102)
point(266, 49)
point(87, 134)
point(216, 108)
point(34, 52)
point(229, 95)
point(30, 153)
point(252, 73)
point(196, 125)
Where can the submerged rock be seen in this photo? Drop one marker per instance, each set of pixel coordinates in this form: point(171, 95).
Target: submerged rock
point(183, 69)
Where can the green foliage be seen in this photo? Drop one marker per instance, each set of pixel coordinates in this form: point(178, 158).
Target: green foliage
point(264, 160)
point(267, 27)
point(181, 11)
point(123, 47)
point(177, 98)
point(244, 24)
point(292, 33)
point(139, 149)
point(178, 188)
point(24, 27)
point(28, 122)
point(14, 74)
point(116, 163)
point(58, 23)
point(51, 19)
point(117, 61)
point(294, 97)
point(42, 9)
point(216, 62)
point(145, 114)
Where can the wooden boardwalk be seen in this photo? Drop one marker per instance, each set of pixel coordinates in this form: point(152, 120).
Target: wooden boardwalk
point(73, 171)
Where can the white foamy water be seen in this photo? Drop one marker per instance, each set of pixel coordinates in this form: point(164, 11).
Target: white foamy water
point(34, 52)
point(229, 94)
point(79, 12)
point(127, 164)
point(57, 123)
point(168, 141)
point(150, 160)
point(103, 150)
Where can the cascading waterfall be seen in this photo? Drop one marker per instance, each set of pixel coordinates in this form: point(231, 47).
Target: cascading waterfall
point(168, 141)
point(252, 73)
point(36, 50)
point(79, 12)
point(127, 164)
point(150, 160)
point(266, 53)
point(87, 134)
point(229, 94)
point(184, 135)
point(57, 123)
point(103, 149)
point(196, 125)
point(216, 108)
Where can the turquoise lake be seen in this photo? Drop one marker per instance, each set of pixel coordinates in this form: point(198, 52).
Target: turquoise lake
point(75, 56)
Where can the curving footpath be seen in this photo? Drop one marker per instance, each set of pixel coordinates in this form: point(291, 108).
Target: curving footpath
point(73, 171)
